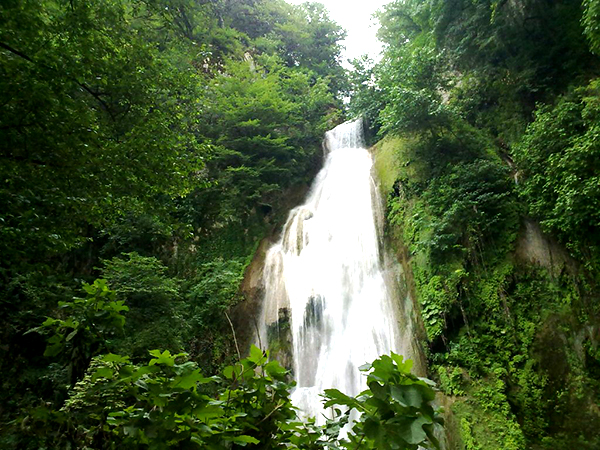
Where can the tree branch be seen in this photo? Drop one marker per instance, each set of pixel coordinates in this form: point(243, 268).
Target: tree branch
point(16, 52)
point(234, 338)
point(82, 85)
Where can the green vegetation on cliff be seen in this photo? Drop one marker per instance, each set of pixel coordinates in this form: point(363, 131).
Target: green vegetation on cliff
point(488, 112)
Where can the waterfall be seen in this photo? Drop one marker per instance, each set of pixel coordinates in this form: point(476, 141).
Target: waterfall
point(324, 284)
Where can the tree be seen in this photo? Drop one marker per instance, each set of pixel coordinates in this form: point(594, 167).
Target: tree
point(558, 157)
point(97, 121)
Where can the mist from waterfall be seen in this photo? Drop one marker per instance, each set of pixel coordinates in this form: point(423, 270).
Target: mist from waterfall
point(324, 277)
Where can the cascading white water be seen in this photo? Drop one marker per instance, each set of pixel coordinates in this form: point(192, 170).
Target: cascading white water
point(325, 277)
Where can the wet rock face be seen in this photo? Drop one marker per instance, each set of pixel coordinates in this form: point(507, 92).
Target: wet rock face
point(560, 351)
point(279, 336)
point(534, 247)
point(244, 315)
point(551, 349)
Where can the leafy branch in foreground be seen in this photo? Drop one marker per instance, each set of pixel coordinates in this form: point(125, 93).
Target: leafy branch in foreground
point(169, 403)
point(396, 410)
point(90, 323)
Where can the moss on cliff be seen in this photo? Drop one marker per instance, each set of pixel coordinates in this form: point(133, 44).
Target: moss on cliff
point(512, 338)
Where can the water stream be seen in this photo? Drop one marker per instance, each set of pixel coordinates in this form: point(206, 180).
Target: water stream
point(324, 283)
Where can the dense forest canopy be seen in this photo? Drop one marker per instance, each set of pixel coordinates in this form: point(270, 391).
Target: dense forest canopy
point(147, 146)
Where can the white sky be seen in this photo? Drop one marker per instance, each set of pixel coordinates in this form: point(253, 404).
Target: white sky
point(355, 16)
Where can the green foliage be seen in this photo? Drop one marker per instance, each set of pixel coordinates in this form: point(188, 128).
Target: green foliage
point(215, 291)
point(559, 179)
point(90, 325)
point(396, 411)
point(485, 61)
point(257, 112)
point(591, 24)
point(157, 310)
point(530, 46)
point(438, 298)
point(148, 142)
point(140, 279)
point(93, 121)
point(474, 93)
point(467, 435)
point(308, 38)
point(470, 206)
point(209, 296)
point(486, 421)
point(247, 409)
point(456, 220)
point(169, 403)
point(412, 97)
point(366, 96)
point(483, 314)
point(487, 316)
point(451, 380)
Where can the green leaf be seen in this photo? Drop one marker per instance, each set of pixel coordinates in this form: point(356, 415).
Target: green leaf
point(404, 366)
point(103, 372)
point(336, 397)
point(412, 396)
point(378, 390)
point(414, 433)
point(198, 440)
point(257, 356)
point(49, 321)
point(190, 380)
point(397, 394)
point(243, 440)
point(209, 412)
point(273, 368)
point(428, 382)
point(111, 357)
point(365, 367)
point(90, 289)
point(71, 335)
point(162, 358)
point(228, 372)
point(53, 350)
point(372, 428)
